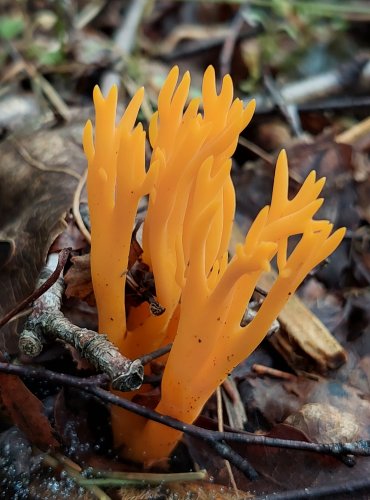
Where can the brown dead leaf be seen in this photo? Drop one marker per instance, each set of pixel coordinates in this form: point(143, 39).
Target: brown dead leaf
point(361, 254)
point(270, 401)
point(139, 284)
point(80, 362)
point(81, 421)
point(335, 162)
point(71, 237)
point(279, 469)
point(26, 411)
point(324, 423)
point(38, 176)
point(78, 279)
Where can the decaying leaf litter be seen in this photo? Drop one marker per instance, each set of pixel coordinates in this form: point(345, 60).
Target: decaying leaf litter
point(301, 384)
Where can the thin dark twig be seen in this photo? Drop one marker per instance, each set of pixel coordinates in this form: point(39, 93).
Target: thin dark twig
point(62, 259)
point(289, 111)
point(357, 448)
point(32, 372)
point(224, 450)
point(257, 150)
point(101, 379)
point(154, 380)
point(261, 291)
point(349, 487)
point(148, 358)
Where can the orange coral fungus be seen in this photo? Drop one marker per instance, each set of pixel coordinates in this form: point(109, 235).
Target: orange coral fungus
point(185, 240)
point(116, 181)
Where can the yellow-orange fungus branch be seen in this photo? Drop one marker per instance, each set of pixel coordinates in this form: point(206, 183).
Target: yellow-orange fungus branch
point(116, 181)
point(185, 240)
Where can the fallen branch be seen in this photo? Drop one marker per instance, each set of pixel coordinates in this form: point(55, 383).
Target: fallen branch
point(126, 375)
point(355, 72)
point(47, 321)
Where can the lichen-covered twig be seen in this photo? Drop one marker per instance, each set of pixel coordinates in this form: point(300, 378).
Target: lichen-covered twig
point(126, 375)
point(43, 287)
point(47, 321)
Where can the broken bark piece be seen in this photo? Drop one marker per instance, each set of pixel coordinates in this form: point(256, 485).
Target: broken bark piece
point(126, 375)
point(303, 340)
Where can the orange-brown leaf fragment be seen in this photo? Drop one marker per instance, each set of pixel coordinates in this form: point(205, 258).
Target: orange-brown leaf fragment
point(26, 412)
point(78, 279)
